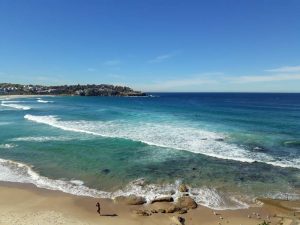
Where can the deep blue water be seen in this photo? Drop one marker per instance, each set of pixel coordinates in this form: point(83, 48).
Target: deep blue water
point(229, 147)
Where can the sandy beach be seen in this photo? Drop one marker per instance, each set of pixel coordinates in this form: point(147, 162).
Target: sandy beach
point(25, 204)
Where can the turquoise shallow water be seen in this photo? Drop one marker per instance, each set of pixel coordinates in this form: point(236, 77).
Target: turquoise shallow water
point(230, 148)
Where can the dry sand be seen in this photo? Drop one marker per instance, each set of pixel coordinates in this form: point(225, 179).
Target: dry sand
point(26, 204)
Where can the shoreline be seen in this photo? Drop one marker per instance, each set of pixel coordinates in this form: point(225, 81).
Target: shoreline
point(28, 204)
point(23, 96)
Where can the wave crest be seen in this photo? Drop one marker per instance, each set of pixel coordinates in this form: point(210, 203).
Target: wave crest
point(12, 171)
point(180, 137)
point(11, 104)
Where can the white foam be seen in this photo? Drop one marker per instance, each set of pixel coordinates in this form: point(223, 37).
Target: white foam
point(7, 146)
point(12, 104)
point(176, 136)
point(214, 199)
point(12, 171)
point(42, 138)
point(43, 101)
point(18, 172)
point(11, 101)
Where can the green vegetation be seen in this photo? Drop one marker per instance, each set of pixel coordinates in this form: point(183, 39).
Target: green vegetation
point(82, 90)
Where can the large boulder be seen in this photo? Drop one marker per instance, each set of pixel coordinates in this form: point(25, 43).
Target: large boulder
point(183, 188)
point(186, 202)
point(163, 199)
point(130, 200)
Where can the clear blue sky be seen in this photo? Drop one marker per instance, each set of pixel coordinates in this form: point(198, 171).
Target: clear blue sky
point(153, 45)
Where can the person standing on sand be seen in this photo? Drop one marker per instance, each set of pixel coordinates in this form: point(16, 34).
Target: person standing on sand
point(98, 208)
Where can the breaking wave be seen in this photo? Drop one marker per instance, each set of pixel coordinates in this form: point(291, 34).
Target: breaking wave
point(12, 104)
point(42, 138)
point(12, 171)
point(176, 136)
point(7, 146)
point(43, 101)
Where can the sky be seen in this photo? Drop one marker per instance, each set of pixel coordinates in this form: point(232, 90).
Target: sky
point(153, 45)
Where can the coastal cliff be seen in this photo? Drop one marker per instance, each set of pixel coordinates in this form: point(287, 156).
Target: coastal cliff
point(80, 90)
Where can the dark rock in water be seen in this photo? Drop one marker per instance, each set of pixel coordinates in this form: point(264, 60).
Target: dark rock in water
point(172, 192)
point(193, 168)
point(140, 182)
point(292, 143)
point(142, 212)
point(130, 200)
point(186, 202)
point(183, 188)
point(105, 171)
point(163, 199)
point(219, 139)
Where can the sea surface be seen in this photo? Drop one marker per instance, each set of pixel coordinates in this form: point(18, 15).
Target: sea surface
point(230, 148)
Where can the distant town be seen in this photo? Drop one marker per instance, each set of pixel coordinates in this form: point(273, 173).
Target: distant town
point(80, 90)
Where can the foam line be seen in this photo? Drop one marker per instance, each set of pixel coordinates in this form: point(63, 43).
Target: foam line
point(175, 136)
point(13, 105)
point(12, 171)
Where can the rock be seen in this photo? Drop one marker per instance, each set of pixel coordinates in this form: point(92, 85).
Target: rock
point(154, 211)
point(105, 171)
point(183, 211)
point(177, 220)
point(186, 202)
point(130, 200)
point(183, 188)
point(163, 199)
point(140, 182)
point(219, 139)
point(172, 209)
point(161, 211)
point(172, 192)
point(142, 212)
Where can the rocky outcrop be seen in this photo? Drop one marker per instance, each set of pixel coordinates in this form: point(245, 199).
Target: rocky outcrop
point(183, 188)
point(186, 202)
point(163, 199)
point(172, 209)
point(130, 200)
point(82, 90)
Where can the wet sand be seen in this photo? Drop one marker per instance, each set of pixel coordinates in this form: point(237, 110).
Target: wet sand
point(26, 204)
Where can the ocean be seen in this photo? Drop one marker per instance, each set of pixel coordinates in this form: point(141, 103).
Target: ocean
point(230, 148)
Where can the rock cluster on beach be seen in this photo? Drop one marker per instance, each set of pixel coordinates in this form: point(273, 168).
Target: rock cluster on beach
point(130, 200)
point(165, 204)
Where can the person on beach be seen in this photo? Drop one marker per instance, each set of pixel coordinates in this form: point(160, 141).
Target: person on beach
point(98, 208)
